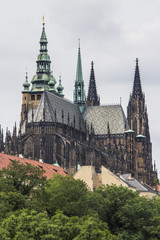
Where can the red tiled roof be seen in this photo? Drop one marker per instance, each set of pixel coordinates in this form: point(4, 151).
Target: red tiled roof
point(48, 168)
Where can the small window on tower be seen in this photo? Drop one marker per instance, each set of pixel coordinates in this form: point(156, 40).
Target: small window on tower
point(32, 97)
point(25, 98)
point(38, 97)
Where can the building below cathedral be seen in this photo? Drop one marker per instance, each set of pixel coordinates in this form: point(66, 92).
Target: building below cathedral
point(82, 132)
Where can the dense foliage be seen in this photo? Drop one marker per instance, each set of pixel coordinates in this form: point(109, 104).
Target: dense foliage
point(62, 208)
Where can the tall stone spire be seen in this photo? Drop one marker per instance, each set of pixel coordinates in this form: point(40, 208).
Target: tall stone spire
point(79, 93)
point(92, 98)
point(137, 89)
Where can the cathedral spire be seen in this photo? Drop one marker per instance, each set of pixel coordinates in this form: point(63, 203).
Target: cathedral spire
point(43, 74)
point(43, 38)
point(43, 60)
point(79, 93)
point(79, 77)
point(92, 98)
point(137, 89)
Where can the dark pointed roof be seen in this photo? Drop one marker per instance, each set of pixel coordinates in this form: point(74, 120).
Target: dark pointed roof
point(92, 98)
point(51, 107)
point(137, 89)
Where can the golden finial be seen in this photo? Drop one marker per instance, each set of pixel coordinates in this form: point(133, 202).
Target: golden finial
point(26, 71)
point(43, 21)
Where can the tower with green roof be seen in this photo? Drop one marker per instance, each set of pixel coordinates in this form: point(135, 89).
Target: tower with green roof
point(79, 92)
point(41, 81)
point(43, 74)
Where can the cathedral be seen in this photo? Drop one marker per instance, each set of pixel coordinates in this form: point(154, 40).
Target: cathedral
point(83, 132)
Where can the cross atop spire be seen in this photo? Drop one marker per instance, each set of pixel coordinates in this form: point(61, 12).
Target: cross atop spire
point(137, 89)
point(92, 98)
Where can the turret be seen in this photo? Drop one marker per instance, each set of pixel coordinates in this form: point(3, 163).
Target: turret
point(52, 83)
point(60, 88)
point(26, 84)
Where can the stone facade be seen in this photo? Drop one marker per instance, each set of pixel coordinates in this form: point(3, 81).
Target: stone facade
point(83, 132)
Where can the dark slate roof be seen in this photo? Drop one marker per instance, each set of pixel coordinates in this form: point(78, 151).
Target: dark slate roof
point(100, 116)
point(149, 188)
point(133, 182)
point(52, 105)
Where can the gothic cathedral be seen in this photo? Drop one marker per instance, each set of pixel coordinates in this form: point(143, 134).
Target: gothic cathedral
point(81, 132)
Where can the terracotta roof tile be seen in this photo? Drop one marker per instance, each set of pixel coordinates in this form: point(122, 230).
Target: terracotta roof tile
point(48, 168)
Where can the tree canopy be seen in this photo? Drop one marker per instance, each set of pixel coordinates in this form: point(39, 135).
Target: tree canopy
point(32, 207)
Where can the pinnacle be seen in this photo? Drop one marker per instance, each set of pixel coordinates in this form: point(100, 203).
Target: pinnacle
point(92, 97)
point(137, 89)
point(79, 77)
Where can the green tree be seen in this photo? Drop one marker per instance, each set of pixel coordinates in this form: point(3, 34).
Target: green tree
point(21, 177)
point(32, 225)
point(19, 184)
point(125, 212)
point(66, 194)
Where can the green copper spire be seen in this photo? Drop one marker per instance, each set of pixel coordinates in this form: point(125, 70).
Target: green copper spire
point(43, 39)
point(79, 77)
point(41, 79)
point(79, 93)
point(60, 88)
point(43, 60)
point(26, 84)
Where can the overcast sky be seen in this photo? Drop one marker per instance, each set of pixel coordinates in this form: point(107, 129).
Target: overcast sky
point(113, 34)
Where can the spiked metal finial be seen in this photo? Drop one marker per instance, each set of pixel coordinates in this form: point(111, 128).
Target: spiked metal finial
point(43, 21)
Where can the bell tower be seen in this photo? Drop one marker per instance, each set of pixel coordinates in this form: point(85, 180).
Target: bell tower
point(137, 117)
point(41, 81)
